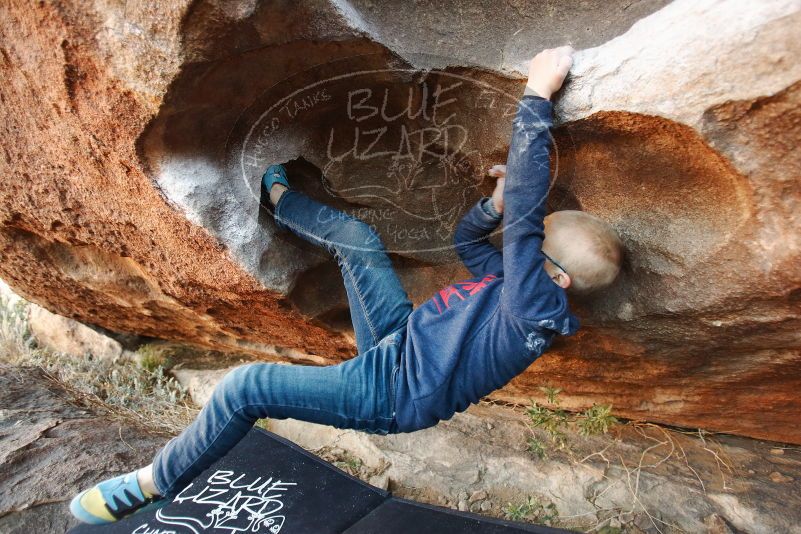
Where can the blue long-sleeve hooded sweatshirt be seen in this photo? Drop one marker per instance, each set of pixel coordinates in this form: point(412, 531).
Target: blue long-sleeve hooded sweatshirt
point(474, 336)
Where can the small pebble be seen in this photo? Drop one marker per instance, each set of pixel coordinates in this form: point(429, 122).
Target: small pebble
point(486, 506)
point(478, 496)
point(475, 507)
point(779, 478)
point(462, 506)
point(777, 452)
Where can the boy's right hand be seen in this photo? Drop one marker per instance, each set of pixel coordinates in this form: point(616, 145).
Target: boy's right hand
point(548, 70)
point(499, 172)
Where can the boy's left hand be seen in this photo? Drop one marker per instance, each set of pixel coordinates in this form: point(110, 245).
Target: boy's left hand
point(499, 172)
point(547, 71)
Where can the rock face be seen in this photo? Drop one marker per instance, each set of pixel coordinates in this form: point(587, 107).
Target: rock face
point(44, 439)
point(134, 138)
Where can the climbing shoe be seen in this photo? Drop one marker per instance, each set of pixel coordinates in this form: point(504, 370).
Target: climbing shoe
point(110, 500)
point(275, 174)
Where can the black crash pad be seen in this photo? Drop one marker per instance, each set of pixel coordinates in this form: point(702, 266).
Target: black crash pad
point(399, 516)
point(267, 485)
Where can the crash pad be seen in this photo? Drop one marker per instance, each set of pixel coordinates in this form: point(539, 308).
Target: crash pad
point(268, 485)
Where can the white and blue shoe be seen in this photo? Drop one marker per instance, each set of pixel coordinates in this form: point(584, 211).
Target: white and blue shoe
point(110, 500)
point(275, 174)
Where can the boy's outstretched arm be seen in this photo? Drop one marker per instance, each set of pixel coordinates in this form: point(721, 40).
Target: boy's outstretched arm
point(472, 233)
point(526, 191)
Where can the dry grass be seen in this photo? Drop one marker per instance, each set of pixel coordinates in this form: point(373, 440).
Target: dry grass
point(121, 387)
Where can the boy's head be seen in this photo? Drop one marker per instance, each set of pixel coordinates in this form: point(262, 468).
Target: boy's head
point(582, 252)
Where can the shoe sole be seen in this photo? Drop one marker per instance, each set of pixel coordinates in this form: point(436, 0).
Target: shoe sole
point(82, 515)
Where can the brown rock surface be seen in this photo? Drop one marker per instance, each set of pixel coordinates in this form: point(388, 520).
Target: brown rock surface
point(133, 137)
point(43, 438)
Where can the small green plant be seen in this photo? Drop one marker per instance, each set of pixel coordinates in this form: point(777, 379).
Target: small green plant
point(151, 356)
point(349, 464)
point(531, 510)
point(518, 512)
point(264, 424)
point(551, 394)
point(150, 361)
point(536, 447)
point(552, 421)
point(596, 420)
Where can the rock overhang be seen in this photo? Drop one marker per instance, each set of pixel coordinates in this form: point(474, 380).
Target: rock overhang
point(706, 309)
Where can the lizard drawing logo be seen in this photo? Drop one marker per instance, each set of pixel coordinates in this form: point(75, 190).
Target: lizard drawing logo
point(231, 504)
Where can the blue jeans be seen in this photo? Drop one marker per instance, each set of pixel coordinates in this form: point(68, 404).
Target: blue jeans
point(358, 394)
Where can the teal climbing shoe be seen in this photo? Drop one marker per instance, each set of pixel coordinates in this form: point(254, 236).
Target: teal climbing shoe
point(110, 500)
point(275, 174)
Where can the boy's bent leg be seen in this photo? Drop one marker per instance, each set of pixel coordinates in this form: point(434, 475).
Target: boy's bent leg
point(378, 303)
point(356, 394)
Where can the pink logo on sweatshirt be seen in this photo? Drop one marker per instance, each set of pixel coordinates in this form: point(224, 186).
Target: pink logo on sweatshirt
point(461, 290)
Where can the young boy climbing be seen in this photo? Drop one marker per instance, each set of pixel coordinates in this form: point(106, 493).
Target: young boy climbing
point(414, 368)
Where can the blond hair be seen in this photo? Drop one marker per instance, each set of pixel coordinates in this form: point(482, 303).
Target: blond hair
point(587, 247)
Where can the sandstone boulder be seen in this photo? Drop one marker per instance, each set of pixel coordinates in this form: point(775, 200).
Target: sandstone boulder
point(134, 137)
point(61, 334)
